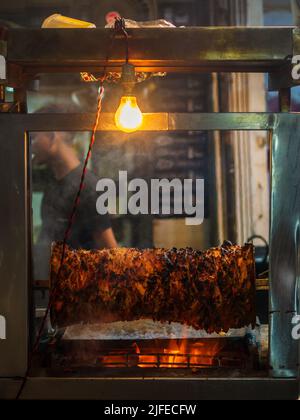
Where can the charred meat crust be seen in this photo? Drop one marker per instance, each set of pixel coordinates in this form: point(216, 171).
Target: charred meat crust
point(212, 291)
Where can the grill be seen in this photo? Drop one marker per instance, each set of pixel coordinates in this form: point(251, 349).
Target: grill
point(169, 361)
point(187, 356)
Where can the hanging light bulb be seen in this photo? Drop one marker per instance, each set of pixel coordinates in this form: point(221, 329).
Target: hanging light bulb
point(128, 117)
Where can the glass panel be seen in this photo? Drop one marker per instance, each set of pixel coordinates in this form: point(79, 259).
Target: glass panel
point(117, 161)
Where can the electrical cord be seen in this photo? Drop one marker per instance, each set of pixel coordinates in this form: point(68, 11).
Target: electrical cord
point(119, 29)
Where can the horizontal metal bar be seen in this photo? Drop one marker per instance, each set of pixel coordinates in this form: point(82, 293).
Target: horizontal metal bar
point(79, 122)
point(163, 355)
point(174, 49)
point(152, 122)
point(219, 121)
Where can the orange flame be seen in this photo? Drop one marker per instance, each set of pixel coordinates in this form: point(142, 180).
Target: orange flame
point(178, 354)
point(181, 355)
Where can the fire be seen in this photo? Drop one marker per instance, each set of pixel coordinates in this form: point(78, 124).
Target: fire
point(181, 354)
point(205, 354)
point(173, 354)
point(176, 355)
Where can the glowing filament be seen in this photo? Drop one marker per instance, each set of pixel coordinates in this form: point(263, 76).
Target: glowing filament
point(128, 117)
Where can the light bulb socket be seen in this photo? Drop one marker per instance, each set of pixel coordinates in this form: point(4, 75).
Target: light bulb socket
point(128, 79)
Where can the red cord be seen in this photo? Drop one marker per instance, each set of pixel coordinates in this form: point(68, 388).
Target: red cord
point(120, 27)
point(64, 244)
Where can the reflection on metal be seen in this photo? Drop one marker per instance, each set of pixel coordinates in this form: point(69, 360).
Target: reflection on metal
point(153, 122)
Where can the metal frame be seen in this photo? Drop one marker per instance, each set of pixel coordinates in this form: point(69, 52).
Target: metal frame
point(30, 52)
point(212, 49)
point(173, 49)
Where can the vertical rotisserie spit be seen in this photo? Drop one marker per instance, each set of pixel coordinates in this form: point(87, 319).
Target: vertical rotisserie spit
point(212, 290)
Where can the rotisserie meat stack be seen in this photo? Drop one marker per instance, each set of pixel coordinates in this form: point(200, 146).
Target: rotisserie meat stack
point(212, 291)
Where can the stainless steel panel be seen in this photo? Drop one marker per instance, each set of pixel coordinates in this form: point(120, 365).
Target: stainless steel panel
point(284, 245)
point(153, 122)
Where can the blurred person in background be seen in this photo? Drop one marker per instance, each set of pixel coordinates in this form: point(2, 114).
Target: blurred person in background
point(90, 230)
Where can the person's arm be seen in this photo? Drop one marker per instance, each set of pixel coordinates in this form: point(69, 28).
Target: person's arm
point(99, 226)
point(105, 239)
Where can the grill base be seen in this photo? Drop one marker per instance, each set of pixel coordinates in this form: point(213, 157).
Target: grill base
point(156, 357)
